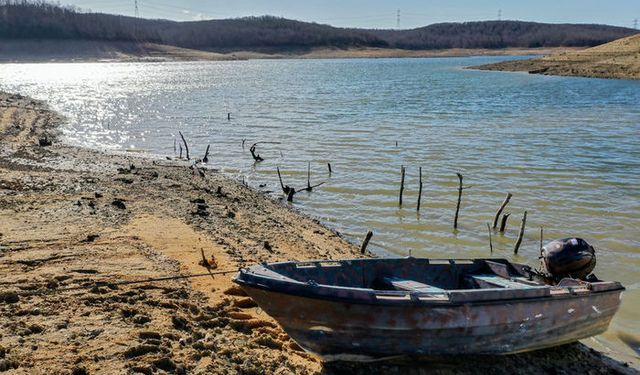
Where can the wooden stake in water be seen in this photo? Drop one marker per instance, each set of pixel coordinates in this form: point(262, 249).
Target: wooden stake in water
point(401, 184)
point(521, 234)
point(455, 219)
point(186, 146)
point(503, 223)
point(329, 166)
point(502, 206)
point(419, 188)
point(365, 243)
point(541, 239)
point(205, 159)
point(490, 240)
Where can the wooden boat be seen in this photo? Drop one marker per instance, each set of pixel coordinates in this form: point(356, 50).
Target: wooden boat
point(372, 308)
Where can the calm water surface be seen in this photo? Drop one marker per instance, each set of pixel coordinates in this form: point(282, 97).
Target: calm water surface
point(567, 148)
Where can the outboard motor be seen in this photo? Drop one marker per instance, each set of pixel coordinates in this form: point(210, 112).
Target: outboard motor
point(572, 257)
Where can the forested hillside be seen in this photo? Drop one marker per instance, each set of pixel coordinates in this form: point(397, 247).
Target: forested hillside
point(25, 19)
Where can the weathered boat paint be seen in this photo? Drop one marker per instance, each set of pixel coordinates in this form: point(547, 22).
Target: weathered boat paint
point(351, 318)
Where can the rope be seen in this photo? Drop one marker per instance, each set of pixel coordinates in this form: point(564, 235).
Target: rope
point(131, 282)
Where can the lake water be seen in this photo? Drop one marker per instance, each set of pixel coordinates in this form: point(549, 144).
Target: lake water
point(568, 149)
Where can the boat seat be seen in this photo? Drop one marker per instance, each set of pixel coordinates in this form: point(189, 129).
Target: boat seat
point(412, 286)
point(501, 282)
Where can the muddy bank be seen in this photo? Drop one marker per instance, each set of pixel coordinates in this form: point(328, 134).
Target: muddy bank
point(77, 225)
point(617, 59)
point(18, 51)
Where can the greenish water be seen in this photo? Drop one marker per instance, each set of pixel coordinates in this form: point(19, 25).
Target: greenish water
point(568, 149)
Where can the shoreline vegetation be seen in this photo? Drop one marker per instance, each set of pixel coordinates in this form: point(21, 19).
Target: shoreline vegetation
point(33, 30)
point(79, 225)
point(618, 59)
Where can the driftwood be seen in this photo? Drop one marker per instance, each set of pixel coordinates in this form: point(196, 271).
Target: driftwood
point(419, 188)
point(365, 243)
point(402, 172)
point(255, 156)
point(186, 146)
point(502, 206)
point(286, 189)
point(252, 149)
point(503, 222)
point(205, 159)
point(460, 188)
point(521, 234)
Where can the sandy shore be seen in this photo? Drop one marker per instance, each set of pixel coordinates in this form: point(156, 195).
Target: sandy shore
point(98, 51)
point(618, 59)
point(77, 223)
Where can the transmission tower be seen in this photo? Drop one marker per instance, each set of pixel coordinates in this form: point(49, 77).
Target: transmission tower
point(135, 2)
point(398, 19)
point(635, 24)
point(499, 14)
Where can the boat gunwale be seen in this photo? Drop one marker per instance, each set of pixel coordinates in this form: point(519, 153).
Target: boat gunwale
point(369, 296)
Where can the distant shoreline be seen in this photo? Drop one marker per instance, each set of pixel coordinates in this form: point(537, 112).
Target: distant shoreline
point(44, 51)
point(615, 60)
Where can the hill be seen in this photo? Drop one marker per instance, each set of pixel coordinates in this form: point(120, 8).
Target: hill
point(617, 59)
point(36, 20)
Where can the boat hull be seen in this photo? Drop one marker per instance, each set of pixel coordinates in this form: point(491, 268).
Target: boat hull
point(337, 329)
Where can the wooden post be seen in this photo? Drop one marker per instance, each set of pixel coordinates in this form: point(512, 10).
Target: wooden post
point(329, 166)
point(521, 234)
point(174, 147)
point(503, 222)
point(490, 240)
point(205, 159)
point(419, 188)
point(280, 178)
point(455, 219)
point(502, 206)
point(367, 238)
point(228, 116)
point(180, 151)
point(401, 184)
point(186, 146)
point(541, 239)
point(309, 176)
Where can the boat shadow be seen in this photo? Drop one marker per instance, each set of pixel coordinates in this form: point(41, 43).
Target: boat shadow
point(567, 359)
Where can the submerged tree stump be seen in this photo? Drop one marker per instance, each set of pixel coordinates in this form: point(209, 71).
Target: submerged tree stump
point(502, 206)
point(521, 234)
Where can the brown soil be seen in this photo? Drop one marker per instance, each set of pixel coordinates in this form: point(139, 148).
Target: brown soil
point(77, 224)
point(617, 59)
point(86, 50)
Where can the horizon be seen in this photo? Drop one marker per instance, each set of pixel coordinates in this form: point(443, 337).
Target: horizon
point(379, 15)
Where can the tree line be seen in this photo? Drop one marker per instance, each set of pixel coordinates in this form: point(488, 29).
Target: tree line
point(37, 19)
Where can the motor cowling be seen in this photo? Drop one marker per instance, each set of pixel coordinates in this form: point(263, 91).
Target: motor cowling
point(569, 257)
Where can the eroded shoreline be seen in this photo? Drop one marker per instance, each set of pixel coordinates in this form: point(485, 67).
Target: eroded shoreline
point(74, 217)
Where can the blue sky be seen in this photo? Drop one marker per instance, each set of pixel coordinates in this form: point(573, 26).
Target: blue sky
point(379, 13)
